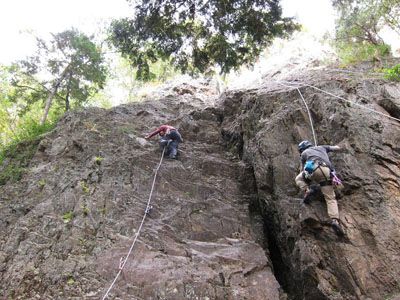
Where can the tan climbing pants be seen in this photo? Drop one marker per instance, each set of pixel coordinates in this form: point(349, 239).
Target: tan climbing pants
point(321, 174)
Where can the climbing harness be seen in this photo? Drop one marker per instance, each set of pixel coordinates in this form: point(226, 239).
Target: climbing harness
point(123, 260)
point(310, 166)
point(335, 180)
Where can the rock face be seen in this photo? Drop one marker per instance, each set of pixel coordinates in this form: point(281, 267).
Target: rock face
point(266, 125)
point(74, 214)
point(227, 220)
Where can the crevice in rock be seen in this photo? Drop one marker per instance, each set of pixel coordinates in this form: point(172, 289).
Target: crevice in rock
point(234, 142)
point(391, 107)
point(261, 215)
point(281, 271)
point(269, 243)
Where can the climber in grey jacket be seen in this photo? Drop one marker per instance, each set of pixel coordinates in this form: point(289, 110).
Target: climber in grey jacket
point(316, 168)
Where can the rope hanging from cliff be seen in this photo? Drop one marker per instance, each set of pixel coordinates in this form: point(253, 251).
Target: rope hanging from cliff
point(148, 208)
point(296, 85)
point(308, 112)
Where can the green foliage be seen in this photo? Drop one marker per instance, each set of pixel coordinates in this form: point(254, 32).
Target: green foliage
point(195, 36)
point(381, 12)
point(85, 71)
point(85, 210)
point(16, 155)
point(390, 12)
point(68, 216)
point(358, 27)
point(98, 159)
point(41, 183)
point(358, 22)
point(11, 173)
point(19, 144)
point(353, 53)
point(69, 68)
point(392, 74)
point(162, 71)
point(85, 187)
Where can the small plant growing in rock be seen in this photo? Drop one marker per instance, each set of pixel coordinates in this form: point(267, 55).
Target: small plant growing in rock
point(85, 187)
point(82, 242)
point(68, 216)
point(11, 173)
point(392, 74)
point(90, 126)
point(85, 210)
point(70, 280)
point(127, 129)
point(98, 159)
point(41, 183)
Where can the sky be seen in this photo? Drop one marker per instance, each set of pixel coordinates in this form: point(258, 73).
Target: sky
point(316, 16)
point(18, 17)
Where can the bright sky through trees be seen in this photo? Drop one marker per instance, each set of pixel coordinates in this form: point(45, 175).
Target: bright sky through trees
point(41, 17)
point(44, 16)
point(317, 16)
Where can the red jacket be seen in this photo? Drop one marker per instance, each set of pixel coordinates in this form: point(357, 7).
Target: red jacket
point(163, 128)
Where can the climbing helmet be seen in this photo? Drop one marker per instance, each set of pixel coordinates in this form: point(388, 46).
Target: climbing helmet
point(304, 145)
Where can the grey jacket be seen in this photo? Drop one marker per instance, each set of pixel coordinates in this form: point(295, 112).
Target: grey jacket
point(317, 153)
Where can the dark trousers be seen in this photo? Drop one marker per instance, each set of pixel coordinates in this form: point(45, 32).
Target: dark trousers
point(171, 142)
point(171, 147)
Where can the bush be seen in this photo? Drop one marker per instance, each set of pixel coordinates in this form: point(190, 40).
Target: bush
point(392, 73)
point(353, 53)
point(16, 155)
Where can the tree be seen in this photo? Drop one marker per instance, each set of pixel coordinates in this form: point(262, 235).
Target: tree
point(19, 110)
point(360, 23)
point(69, 67)
point(361, 20)
point(196, 35)
point(6, 122)
point(390, 12)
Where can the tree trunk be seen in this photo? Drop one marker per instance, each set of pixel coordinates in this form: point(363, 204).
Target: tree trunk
point(48, 104)
point(51, 95)
point(67, 106)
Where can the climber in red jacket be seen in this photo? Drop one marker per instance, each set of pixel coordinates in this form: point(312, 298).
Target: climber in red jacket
point(169, 137)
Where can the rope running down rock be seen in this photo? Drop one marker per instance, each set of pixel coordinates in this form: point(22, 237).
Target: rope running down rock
point(308, 112)
point(148, 207)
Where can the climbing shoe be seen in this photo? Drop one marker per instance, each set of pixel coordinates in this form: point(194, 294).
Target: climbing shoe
point(337, 228)
point(308, 195)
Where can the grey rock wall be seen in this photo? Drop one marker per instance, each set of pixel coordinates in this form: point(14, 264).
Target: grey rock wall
point(266, 124)
point(65, 226)
point(227, 219)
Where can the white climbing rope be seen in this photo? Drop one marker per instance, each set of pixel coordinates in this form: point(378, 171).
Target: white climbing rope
point(123, 261)
point(296, 85)
point(308, 112)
